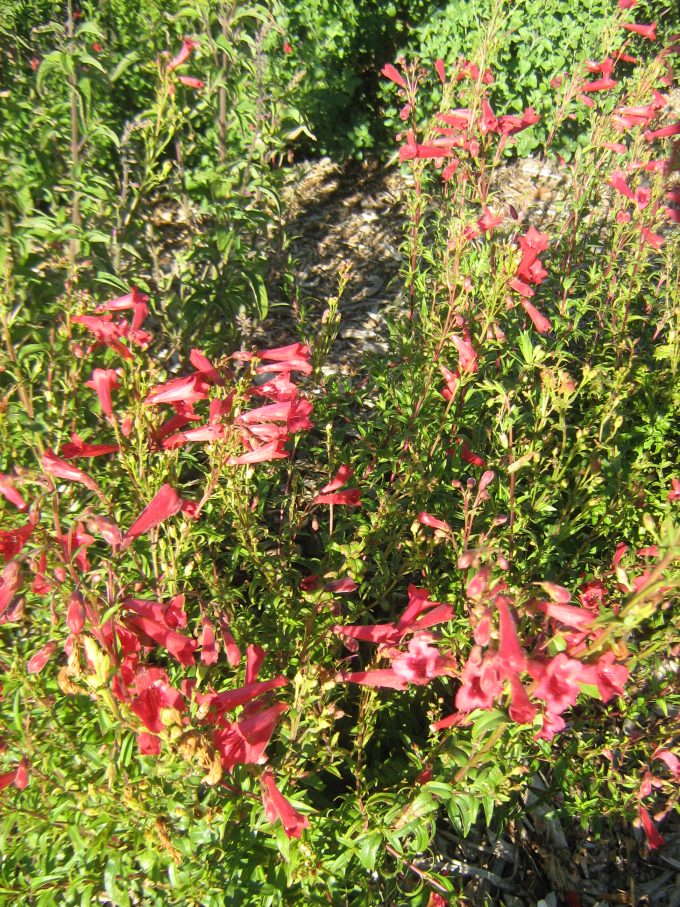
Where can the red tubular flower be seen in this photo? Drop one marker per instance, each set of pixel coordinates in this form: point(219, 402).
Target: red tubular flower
point(674, 493)
point(654, 839)
point(37, 662)
point(208, 644)
point(79, 448)
point(439, 66)
point(10, 583)
point(488, 123)
point(342, 476)
point(539, 320)
point(186, 390)
point(664, 132)
point(181, 647)
point(599, 85)
point(232, 651)
point(277, 807)
point(422, 662)
point(670, 760)
point(350, 498)
point(341, 585)
point(274, 450)
point(194, 435)
point(75, 616)
point(469, 456)
point(467, 357)
point(164, 505)
point(8, 490)
point(225, 702)
point(121, 303)
point(60, 469)
point(481, 684)
point(103, 381)
point(557, 682)
point(12, 541)
point(393, 75)
point(426, 519)
point(384, 678)
point(645, 31)
point(245, 741)
point(511, 655)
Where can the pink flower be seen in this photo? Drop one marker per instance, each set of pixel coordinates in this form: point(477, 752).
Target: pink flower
point(188, 45)
point(75, 615)
point(557, 682)
point(191, 82)
point(164, 505)
point(674, 493)
point(383, 677)
point(209, 653)
point(480, 683)
point(232, 651)
point(12, 541)
point(330, 495)
point(422, 662)
point(287, 48)
point(277, 807)
point(60, 469)
point(274, 450)
point(439, 66)
point(149, 744)
point(670, 760)
point(10, 583)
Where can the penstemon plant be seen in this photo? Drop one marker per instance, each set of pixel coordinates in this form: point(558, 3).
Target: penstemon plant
point(266, 635)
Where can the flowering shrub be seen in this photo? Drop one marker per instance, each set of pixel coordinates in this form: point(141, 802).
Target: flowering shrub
point(264, 634)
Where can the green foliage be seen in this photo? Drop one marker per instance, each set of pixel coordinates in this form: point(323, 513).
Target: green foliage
point(513, 458)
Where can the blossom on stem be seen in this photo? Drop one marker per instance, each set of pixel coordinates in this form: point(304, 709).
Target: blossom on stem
point(8, 490)
point(645, 31)
point(188, 46)
point(60, 469)
point(166, 503)
point(103, 382)
point(277, 807)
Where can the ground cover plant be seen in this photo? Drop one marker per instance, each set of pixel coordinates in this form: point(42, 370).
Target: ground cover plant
point(268, 634)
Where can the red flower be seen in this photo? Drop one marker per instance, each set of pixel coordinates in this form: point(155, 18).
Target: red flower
point(104, 380)
point(38, 660)
point(75, 616)
point(164, 505)
point(60, 469)
point(384, 677)
point(557, 682)
point(287, 48)
point(10, 583)
point(8, 490)
point(179, 390)
point(654, 839)
point(539, 320)
point(329, 494)
point(12, 541)
point(439, 66)
point(422, 662)
point(262, 454)
point(393, 75)
point(277, 807)
point(79, 448)
point(481, 683)
point(426, 519)
point(674, 493)
point(645, 31)
point(209, 653)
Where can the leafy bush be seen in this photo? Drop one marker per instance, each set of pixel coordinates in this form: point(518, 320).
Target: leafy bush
point(537, 43)
point(266, 632)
